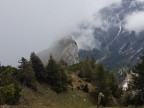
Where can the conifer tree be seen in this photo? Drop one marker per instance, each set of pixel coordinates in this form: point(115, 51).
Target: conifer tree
point(116, 91)
point(9, 89)
point(26, 74)
point(101, 79)
point(87, 69)
point(38, 67)
point(56, 76)
point(137, 83)
point(52, 70)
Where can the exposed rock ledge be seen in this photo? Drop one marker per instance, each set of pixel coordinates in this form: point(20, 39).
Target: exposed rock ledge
point(64, 50)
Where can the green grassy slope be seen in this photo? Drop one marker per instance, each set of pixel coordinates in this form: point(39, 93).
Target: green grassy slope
point(45, 98)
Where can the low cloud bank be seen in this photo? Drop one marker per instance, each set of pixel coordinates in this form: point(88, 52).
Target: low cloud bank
point(135, 22)
point(140, 0)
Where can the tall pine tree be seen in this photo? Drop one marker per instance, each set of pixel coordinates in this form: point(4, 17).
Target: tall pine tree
point(87, 68)
point(9, 89)
point(56, 76)
point(38, 67)
point(137, 83)
point(26, 74)
point(101, 80)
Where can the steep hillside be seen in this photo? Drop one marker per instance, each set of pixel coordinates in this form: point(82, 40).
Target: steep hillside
point(49, 99)
point(46, 98)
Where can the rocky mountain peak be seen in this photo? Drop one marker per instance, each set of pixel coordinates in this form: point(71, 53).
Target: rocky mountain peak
point(65, 50)
point(114, 44)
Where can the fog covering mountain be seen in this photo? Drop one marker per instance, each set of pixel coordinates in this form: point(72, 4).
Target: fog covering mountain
point(65, 50)
point(106, 38)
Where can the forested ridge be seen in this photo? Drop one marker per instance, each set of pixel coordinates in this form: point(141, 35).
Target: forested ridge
point(59, 78)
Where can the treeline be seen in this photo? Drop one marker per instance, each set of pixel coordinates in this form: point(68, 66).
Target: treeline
point(32, 72)
point(29, 74)
point(108, 84)
point(104, 80)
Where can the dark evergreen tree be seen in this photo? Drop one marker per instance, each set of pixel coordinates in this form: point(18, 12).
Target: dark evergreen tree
point(52, 70)
point(26, 74)
point(38, 67)
point(102, 80)
point(9, 89)
point(56, 76)
point(100, 77)
point(87, 69)
point(137, 83)
point(61, 80)
point(116, 91)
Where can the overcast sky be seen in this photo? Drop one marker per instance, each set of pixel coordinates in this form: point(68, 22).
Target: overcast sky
point(32, 25)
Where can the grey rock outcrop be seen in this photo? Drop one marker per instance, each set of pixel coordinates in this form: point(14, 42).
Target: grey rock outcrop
point(114, 44)
point(65, 50)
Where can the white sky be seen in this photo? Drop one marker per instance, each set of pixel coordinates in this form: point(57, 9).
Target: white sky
point(32, 25)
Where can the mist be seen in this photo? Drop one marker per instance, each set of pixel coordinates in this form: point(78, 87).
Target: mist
point(140, 0)
point(85, 39)
point(33, 25)
point(134, 22)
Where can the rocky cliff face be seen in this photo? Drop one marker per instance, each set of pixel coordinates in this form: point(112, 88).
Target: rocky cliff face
point(114, 44)
point(65, 50)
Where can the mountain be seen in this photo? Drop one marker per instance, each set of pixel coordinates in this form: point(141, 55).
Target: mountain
point(114, 44)
point(65, 50)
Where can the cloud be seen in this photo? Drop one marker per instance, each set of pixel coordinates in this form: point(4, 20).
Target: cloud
point(84, 33)
point(32, 25)
point(85, 39)
point(140, 0)
point(135, 22)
